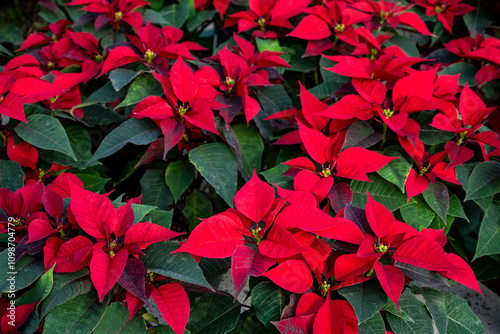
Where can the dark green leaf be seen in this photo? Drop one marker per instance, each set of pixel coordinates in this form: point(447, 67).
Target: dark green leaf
point(488, 242)
point(434, 300)
point(467, 73)
point(133, 130)
point(421, 275)
point(374, 325)
point(197, 206)
point(216, 163)
point(213, 268)
point(116, 320)
point(141, 210)
point(406, 44)
point(366, 298)
point(251, 147)
point(26, 270)
point(269, 301)
point(105, 94)
point(438, 198)
point(417, 214)
point(391, 308)
point(176, 15)
point(461, 319)
point(275, 176)
point(456, 208)
point(40, 291)
point(272, 99)
point(477, 20)
point(200, 17)
point(484, 180)
point(179, 175)
point(66, 287)
point(80, 315)
point(99, 115)
point(396, 171)
point(80, 142)
point(361, 134)
point(213, 314)
point(11, 175)
point(380, 190)
point(180, 266)
point(428, 134)
point(155, 190)
point(120, 77)
point(143, 86)
point(92, 182)
point(422, 321)
point(45, 132)
point(161, 217)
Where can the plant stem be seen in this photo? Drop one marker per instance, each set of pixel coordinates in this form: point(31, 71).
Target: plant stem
point(384, 133)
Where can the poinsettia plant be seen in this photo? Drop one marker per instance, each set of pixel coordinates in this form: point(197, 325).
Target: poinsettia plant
point(248, 166)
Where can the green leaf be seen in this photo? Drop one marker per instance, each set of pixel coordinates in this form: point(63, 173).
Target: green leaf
point(486, 268)
point(467, 73)
point(141, 210)
point(374, 325)
point(366, 298)
point(163, 329)
point(420, 274)
point(11, 175)
point(435, 302)
point(99, 115)
point(484, 180)
point(406, 44)
point(269, 301)
point(162, 218)
point(488, 242)
point(179, 175)
point(438, 198)
point(216, 163)
point(26, 270)
point(77, 316)
point(66, 287)
point(81, 144)
point(396, 171)
point(477, 20)
point(180, 266)
point(428, 134)
point(213, 268)
point(155, 190)
point(422, 321)
point(272, 99)
point(275, 176)
point(361, 134)
point(41, 289)
point(133, 130)
point(417, 214)
point(213, 314)
point(333, 78)
point(200, 17)
point(120, 77)
point(176, 15)
point(391, 308)
point(251, 147)
point(45, 132)
point(92, 182)
point(461, 319)
point(456, 208)
point(105, 94)
point(116, 320)
point(380, 190)
point(197, 206)
point(143, 86)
